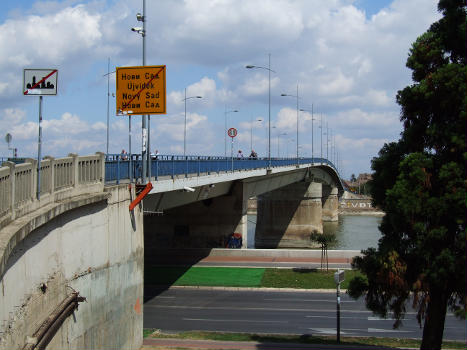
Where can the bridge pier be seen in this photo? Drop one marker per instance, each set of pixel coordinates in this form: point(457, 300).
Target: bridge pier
point(287, 216)
point(330, 203)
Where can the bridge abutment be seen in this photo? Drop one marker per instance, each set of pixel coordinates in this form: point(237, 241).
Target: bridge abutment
point(287, 216)
point(207, 223)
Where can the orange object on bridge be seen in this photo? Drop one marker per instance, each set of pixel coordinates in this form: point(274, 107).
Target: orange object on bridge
point(140, 197)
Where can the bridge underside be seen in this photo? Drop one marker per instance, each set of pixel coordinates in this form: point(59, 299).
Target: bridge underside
point(291, 205)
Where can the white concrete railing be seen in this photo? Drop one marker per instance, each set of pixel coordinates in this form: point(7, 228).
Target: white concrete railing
point(60, 179)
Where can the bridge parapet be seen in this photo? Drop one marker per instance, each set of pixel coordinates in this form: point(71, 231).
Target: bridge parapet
point(61, 178)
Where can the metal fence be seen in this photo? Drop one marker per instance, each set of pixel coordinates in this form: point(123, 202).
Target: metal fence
point(122, 167)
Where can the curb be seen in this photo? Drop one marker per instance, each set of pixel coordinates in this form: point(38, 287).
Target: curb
point(254, 289)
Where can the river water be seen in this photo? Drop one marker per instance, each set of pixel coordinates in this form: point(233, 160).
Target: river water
point(353, 232)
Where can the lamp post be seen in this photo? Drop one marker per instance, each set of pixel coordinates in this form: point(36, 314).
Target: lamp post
point(321, 131)
point(184, 130)
point(225, 128)
point(296, 96)
point(251, 132)
point(145, 159)
point(312, 132)
point(278, 143)
point(268, 68)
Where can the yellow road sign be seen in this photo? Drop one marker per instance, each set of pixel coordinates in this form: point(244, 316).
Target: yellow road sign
point(141, 90)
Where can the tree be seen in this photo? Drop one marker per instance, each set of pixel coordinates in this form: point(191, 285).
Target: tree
point(353, 178)
point(420, 183)
point(325, 240)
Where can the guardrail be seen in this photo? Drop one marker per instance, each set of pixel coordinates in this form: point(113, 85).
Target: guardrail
point(121, 167)
point(61, 178)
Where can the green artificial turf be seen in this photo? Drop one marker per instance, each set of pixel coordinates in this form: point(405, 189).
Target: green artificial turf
point(204, 276)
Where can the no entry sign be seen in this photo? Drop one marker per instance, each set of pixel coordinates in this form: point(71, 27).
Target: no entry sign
point(232, 132)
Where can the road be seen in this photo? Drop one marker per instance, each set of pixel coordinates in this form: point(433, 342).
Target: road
point(257, 311)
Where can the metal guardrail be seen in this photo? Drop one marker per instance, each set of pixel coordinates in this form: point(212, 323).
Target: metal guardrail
point(119, 167)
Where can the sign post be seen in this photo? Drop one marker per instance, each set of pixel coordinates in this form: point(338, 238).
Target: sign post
point(338, 278)
point(39, 82)
point(232, 132)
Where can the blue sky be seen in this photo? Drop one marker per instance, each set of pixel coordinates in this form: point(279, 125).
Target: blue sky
point(347, 57)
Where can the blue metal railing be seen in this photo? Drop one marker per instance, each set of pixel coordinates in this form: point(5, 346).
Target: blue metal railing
point(118, 167)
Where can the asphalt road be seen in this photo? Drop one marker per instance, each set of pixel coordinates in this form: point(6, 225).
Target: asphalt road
point(257, 311)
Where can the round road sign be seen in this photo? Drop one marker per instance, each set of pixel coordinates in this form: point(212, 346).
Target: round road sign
point(232, 132)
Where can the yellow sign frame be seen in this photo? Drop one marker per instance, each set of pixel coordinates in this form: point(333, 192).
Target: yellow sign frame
point(141, 90)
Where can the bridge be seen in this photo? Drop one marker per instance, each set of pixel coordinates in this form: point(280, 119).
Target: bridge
point(73, 237)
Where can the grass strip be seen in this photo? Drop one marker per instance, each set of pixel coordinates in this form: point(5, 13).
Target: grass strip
point(301, 339)
point(244, 277)
point(304, 278)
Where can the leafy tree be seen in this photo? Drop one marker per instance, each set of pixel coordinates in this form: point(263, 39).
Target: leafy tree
point(353, 178)
point(420, 183)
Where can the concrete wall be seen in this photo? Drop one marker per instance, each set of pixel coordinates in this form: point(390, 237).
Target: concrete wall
point(95, 249)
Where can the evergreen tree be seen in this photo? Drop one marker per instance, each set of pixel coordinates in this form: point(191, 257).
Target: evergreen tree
point(420, 183)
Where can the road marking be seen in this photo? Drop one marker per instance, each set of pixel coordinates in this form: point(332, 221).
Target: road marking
point(334, 317)
point(312, 300)
point(376, 318)
point(326, 330)
point(217, 320)
point(378, 330)
point(251, 308)
point(164, 297)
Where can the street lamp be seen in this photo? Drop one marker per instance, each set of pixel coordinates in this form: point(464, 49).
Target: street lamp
point(312, 132)
point(184, 130)
point(145, 159)
point(296, 96)
point(278, 143)
point(251, 132)
point(268, 68)
point(225, 128)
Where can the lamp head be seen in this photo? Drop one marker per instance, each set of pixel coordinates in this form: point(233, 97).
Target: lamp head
point(249, 66)
point(284, 95)
point(140, 17)
point(137, 29)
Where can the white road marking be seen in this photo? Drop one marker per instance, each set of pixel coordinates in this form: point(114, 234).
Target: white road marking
point(218, 320)
point(376, 318)
point(250, 308)
point(311, 300)
point(378, 330)
point(326, 331)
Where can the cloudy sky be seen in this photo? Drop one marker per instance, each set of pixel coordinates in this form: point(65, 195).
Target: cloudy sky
point(346, 56)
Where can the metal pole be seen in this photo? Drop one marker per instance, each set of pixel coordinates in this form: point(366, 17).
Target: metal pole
point(184, 131)
point(231, 151)
point(297, 125)
point(144, 150)
point(327, 141)
point(129, 149)
point(269, 126)
point(321, 139)
point(108, 103)
point(338, 307)
point(39, 148)
point(251, 133)
point(312, 141)
point(225, 131)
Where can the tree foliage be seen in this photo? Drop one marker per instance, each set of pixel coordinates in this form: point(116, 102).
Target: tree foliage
point(420, 183)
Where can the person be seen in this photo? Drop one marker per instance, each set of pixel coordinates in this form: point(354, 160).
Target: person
point(239, 154)
point(253, 154)
point(155, 154)
point(123, 155)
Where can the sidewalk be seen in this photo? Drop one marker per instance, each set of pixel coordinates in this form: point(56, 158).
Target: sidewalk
point(155, 343)
point(273, 258)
